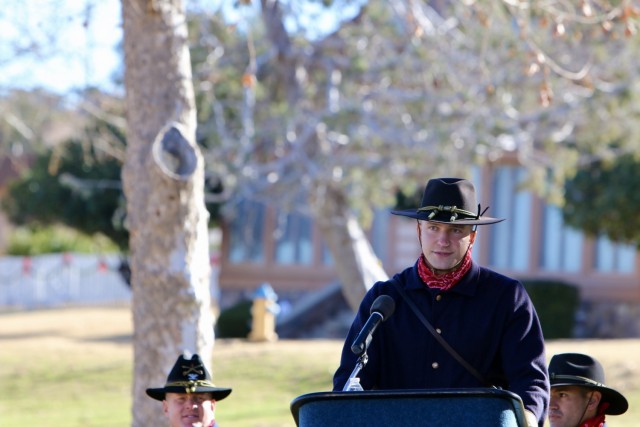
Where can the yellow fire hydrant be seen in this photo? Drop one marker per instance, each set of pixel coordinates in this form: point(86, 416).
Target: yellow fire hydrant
point(263, 314)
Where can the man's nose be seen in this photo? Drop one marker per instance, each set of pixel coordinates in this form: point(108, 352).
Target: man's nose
point(443, 238)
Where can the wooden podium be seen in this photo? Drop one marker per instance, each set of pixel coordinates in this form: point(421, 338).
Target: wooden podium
point(474, 407)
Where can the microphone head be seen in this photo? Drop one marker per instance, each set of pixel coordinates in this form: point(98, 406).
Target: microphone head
point(384, 305)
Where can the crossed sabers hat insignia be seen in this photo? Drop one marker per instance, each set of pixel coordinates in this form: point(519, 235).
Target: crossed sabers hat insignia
point(193, 370)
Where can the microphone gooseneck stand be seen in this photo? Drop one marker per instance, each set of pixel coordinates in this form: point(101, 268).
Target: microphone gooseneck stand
point(362, 360)
point(382, 307)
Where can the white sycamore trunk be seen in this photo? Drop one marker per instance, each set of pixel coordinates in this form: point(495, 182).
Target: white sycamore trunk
point(163, 180)
point(357, 265)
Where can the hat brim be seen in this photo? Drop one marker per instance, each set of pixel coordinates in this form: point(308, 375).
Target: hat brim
point(617, 402)
point(218, 393)
point(424, 216)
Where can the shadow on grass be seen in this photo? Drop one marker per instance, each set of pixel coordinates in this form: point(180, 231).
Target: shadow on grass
point(27, 335)
point(117, 339)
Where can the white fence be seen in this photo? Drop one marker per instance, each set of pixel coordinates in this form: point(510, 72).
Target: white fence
point(59, 279)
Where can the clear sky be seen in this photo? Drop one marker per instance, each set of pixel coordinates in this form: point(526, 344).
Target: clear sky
point(84, 35)
point(78, 40)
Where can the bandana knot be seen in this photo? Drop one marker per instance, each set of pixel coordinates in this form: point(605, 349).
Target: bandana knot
point(445, 281)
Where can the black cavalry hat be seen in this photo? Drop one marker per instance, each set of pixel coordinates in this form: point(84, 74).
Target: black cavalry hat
point(189, 376)
point(449, 200)
point(575, 369)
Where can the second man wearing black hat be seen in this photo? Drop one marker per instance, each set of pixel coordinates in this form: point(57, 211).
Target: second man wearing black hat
point(189, 397)
point(579, 397)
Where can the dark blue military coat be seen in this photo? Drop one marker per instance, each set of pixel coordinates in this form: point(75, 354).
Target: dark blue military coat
point(487, 318)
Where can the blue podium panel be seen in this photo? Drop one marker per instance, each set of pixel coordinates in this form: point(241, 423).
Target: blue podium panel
point(437, 408)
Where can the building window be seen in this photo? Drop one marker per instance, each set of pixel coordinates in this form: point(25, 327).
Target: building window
point(510, 239)
point(611, 257)
point(246, 240)
point(293, 240)
point(327, 258)
point(561, 245)
point(379, 234)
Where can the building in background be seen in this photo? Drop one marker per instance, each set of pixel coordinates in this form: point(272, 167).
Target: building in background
point(287, 251)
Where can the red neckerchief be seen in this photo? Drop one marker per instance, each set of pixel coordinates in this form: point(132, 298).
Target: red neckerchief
point(444, 281)
point(598, 420)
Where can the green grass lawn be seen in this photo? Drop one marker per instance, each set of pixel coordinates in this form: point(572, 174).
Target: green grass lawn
point(72, 368)
point(94, 393)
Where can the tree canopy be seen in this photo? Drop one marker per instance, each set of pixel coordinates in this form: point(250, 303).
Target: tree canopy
point(601, 199)
point(402, 90)
point(406, 90)
point(73, 185)
point(399, 91)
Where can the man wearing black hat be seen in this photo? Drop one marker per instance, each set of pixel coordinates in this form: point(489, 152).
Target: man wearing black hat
point(579, 397)
point(189, 397)
point(456, 324)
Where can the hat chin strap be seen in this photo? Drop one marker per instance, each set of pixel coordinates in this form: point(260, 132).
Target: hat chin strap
point(584, 411)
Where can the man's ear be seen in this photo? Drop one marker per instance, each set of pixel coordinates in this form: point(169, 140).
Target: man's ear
point(595, 398)
point(165, 407)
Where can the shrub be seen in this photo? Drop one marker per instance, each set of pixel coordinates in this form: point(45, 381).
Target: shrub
point(235, 321)
point(556, 304)
point(31, 241)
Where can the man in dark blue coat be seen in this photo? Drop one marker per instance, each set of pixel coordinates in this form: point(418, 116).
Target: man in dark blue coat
point(485, 317)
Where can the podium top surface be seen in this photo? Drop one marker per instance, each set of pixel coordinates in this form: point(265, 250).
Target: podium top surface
point(485, 406)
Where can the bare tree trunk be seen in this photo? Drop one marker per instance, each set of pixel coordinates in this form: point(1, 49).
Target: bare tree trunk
point(163, 180)
point(357, 265)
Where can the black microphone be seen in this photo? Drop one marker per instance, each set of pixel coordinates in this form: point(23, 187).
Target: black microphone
point(381, 309)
